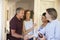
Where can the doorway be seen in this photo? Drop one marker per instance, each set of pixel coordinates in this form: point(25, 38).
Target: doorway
point(11, 11)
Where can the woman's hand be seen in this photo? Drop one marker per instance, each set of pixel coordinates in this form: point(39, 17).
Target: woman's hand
point(26, 37)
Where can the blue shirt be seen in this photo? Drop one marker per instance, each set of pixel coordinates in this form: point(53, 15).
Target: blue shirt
point(52, 30)
point(36, 31)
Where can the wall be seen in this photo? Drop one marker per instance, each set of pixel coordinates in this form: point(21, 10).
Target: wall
point(26, 5)
point(11, 9)
point(57, 6)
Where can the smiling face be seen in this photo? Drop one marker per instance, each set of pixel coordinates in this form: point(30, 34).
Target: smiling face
point(21, 14)
point(43, 19)
point(28, 15)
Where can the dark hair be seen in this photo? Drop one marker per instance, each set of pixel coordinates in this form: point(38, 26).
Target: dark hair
point(52, 12)
point(18, 10)
point(26, 13)
point(44, 14)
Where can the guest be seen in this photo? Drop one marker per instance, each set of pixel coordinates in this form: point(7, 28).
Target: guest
point(44, 22)
point(52, 30)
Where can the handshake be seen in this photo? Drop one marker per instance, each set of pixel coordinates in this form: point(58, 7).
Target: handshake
point(26, 37)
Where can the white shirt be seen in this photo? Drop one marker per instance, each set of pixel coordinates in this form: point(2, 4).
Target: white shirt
point(28, 25)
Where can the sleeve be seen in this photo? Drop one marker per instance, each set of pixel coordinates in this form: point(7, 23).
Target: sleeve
point(57, 32)
point(52, 32)
point(12, 25)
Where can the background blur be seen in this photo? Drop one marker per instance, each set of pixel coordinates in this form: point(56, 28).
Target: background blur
point(7, 11)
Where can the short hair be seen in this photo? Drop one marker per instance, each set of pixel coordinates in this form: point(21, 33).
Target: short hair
point(44, 14)
point(52, 12)
point(18, 10)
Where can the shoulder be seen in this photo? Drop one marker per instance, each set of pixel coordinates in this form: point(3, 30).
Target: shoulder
point(13, 20)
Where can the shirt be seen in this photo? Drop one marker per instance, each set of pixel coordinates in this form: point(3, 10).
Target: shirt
point(28, 25)
point(37, 31)
point(52, 30)
point(16, 25)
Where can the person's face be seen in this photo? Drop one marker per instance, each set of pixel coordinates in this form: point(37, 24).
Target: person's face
point(21, 13)
point(48, 16)
point(44, 19)
point(28, 15)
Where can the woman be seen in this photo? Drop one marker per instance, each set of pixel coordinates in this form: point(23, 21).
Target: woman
point(52, 30)
point(28, 25)
point(44, 21)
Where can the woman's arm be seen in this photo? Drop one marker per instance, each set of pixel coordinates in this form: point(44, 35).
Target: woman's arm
point(29, 30)
point(24, 30)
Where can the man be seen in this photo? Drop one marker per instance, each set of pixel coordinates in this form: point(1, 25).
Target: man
point(16, 25)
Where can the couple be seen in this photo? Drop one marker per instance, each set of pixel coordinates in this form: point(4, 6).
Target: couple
point(21, 29)
point(51, 31)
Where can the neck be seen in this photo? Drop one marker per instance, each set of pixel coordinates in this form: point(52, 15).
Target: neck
point(50, 20)
point(28, 19)
point(18, 17)
point(45, 22)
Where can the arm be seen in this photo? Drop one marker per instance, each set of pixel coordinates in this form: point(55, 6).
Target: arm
point(13, 27)
point(27, 31)
point(24, 30)
point(14, 34)
point(30, 36)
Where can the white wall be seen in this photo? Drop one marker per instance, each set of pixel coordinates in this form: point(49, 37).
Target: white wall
point(1, 19)
point(11, 9)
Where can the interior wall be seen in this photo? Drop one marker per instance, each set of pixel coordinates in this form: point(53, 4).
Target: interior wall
point(57, 6)
point(11, 9)
point(23, 5)
point(26, 5)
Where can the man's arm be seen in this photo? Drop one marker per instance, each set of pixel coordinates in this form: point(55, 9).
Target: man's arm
point(14, 34)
